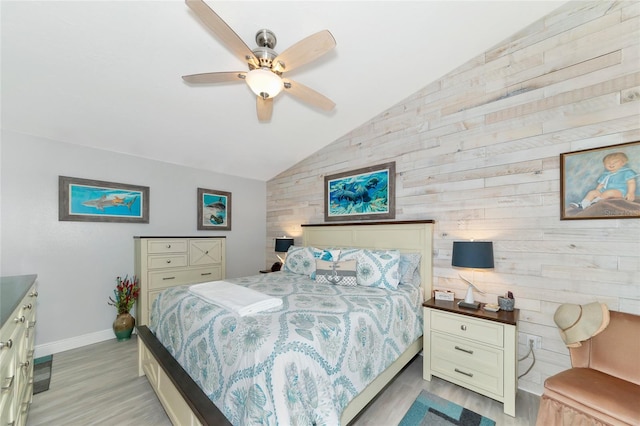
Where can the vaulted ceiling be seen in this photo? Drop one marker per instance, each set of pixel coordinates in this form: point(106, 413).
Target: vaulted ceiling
point(107, 74)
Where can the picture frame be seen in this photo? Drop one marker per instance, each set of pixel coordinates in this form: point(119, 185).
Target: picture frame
point(592, 189)
point(88, 200)
point(362, 194)
point(214, 210)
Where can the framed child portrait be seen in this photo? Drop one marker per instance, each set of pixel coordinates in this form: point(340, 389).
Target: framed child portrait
point(601, 183)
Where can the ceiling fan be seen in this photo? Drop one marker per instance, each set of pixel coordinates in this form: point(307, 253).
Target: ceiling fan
point(265, 65)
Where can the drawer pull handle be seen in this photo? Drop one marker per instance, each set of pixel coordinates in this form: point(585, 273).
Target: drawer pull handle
point(469, 351)
point(8, 344)
point(27, 306)
point(25, 364)
point(206, 252)
point(168, 278)
point(21, 319)
point(205, 273)
point(168, 245)
point(168, 260)
point(10, 384)
point(34, 294)
point(463, 327)
point(463, 372)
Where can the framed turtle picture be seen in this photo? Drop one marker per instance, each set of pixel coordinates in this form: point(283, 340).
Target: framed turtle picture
point(362, 194)
point(214, 210)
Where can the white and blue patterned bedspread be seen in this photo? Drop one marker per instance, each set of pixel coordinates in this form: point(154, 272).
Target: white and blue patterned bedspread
point(299, 364)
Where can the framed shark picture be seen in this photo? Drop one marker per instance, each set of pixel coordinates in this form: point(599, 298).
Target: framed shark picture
point(214, 210)
point(86, 200)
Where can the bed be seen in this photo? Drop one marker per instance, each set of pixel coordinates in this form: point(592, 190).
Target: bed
point(185, 396)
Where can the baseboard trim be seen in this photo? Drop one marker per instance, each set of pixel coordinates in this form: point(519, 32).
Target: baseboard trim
point(73, 343)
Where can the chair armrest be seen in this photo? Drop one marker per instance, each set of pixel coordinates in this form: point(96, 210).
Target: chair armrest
point(581, 356)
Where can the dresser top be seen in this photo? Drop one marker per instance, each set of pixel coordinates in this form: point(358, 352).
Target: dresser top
point(505, 317)
point(178, 236)
point(12, 290)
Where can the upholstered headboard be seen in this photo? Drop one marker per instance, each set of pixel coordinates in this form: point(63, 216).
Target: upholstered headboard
point(406, 236)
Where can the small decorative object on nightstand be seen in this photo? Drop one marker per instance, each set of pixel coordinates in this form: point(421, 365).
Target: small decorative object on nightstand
point(473, 255)
point(474, 349)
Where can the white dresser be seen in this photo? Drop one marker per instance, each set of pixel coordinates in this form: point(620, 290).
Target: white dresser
point(163, 262)
point(18, 318)
point(474, 349)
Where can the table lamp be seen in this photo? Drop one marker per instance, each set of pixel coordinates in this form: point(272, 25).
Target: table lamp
point(282, 246)
point(472, 255)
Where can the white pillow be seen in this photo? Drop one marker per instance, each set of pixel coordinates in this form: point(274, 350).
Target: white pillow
point(300, 260)
point(409, 268)
point(375, 268)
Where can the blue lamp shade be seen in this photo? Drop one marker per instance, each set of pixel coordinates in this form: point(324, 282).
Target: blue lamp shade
point(283, 244)
point(472, 254)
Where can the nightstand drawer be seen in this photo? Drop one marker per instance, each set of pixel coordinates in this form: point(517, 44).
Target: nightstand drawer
point(169, 261)
point(167, 279)
point(167, 246)
point(469, 328)
point(467, 362)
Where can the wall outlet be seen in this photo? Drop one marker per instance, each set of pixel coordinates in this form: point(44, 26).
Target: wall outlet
point(537, 341)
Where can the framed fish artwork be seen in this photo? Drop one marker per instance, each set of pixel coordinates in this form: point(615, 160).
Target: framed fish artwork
point(214, 210)
point(86, 200)
point(362, 194)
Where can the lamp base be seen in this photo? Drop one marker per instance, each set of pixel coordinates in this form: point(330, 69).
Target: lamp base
point(474, 305)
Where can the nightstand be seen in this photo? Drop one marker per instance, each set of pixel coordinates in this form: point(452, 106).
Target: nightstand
point(475, 349)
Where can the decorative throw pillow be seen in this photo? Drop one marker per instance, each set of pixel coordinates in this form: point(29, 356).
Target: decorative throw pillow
point(338, 273)
point(300, 260)
point(326, 254)
point(409, 268)
point(375, 268)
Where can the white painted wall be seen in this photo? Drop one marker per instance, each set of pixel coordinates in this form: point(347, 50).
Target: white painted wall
point(77, 262)
point(478, 152)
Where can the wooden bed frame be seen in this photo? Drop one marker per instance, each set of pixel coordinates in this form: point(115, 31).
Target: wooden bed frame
point(184, 401)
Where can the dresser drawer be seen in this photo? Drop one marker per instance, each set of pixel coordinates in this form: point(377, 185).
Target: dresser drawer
point(205, 252)
point(166, 246)
point(469, 328)
point(468, 362)
point(168, 261)
point(165, 279)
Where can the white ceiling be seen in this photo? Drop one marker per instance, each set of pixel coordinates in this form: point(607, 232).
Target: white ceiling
point(107, 74)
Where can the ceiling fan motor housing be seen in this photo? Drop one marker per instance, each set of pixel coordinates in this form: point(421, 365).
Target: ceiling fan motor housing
point(265, 54)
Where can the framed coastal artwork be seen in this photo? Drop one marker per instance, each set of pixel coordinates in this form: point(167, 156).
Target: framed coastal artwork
point(362, 194)
point(601, 183)
point(214, 210)
point(87, 200)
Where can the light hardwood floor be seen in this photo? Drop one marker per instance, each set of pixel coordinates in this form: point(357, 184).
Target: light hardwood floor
point(98, 385)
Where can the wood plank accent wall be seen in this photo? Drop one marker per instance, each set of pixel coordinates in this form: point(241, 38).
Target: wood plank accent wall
point(478, 152)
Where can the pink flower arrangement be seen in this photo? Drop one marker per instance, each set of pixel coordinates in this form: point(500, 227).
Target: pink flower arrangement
point(126, 293)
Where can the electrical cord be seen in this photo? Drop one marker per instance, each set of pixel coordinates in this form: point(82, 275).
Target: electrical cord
point(526, 356)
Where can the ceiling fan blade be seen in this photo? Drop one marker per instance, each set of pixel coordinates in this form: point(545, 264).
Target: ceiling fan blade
point(215, 77)
point(264, 108)
point(304, 51)
point(222, 31)
point(308, 95)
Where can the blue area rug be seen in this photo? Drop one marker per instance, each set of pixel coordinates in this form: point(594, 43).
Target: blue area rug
point(430, 409)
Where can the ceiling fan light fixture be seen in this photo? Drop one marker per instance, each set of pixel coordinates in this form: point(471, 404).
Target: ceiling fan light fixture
point(264, 83)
